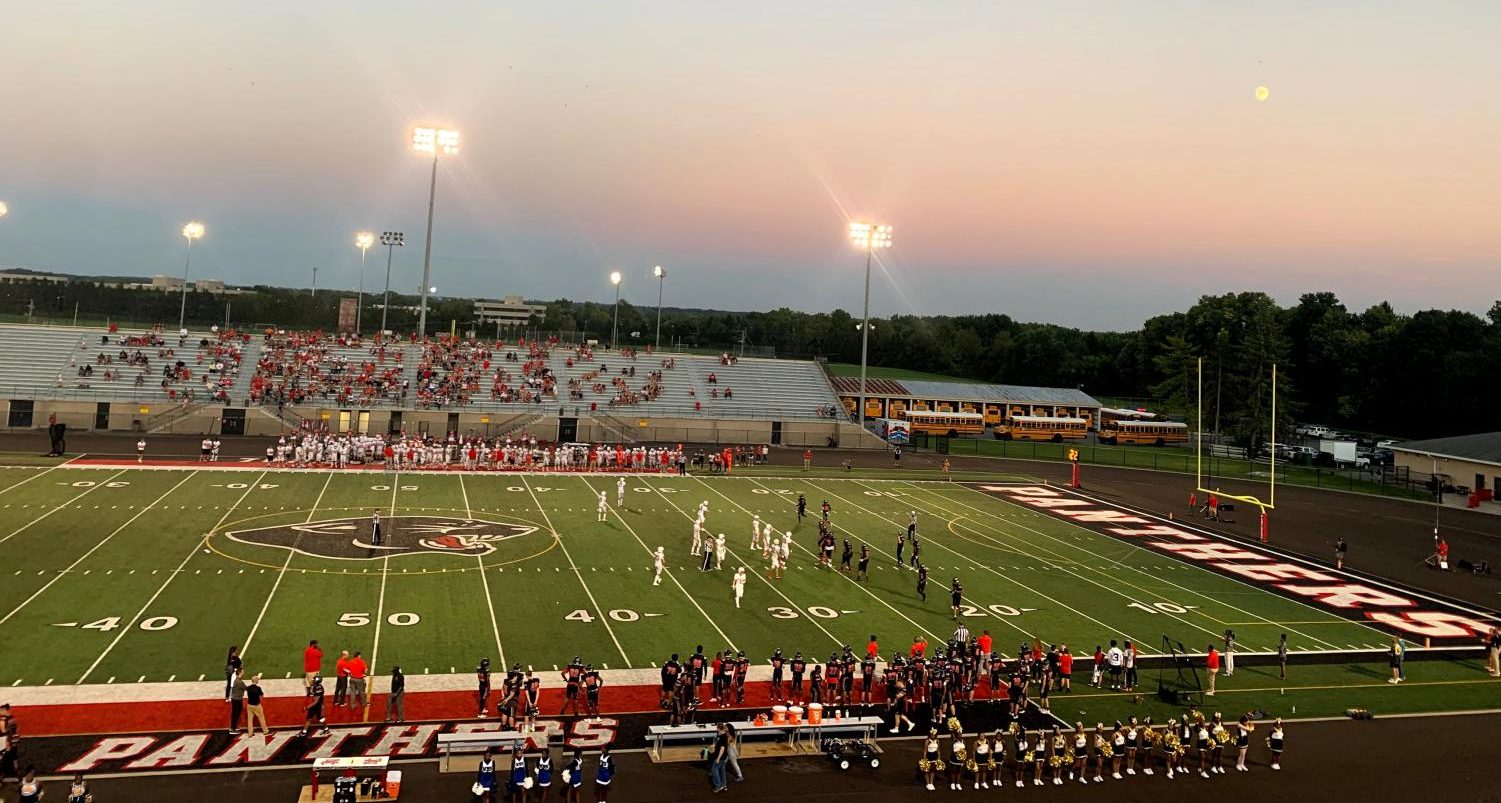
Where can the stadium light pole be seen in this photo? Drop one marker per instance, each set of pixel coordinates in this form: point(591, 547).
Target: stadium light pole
point(434, 141)
point(390, 239)
point(661, 275)
point(615, 278)
point(362, 241)
point(192, 231)
point(868, 236)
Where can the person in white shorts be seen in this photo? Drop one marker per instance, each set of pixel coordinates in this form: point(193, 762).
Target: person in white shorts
point(738, 583)
point(603, 506)
point(659, 561)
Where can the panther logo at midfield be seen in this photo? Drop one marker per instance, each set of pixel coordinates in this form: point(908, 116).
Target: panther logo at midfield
point(350, 539)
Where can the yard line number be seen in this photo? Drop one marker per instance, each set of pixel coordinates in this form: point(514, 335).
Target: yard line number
point(360, 619)
point(109, 623)
point(617, 614)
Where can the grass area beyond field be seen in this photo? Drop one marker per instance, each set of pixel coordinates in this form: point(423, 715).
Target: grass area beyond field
point(121, 576)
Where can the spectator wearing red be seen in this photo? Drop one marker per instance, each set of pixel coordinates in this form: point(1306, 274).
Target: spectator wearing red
point(1065, 670)
point(1212, 663)
point(807, 459)
point(312, 663)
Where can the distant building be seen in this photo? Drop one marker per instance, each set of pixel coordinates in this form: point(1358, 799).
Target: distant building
point(173, 284)
point(9, 277)
point(509, 311)
point(1472, 462)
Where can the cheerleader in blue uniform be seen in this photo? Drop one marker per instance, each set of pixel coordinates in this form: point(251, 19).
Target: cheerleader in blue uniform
point(486, 777)
point(604, 774)
point(520, 779)
point(544, 774)
point(573, 777)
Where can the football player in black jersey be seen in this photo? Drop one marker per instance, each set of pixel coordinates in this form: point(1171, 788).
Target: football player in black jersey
point(777, 662)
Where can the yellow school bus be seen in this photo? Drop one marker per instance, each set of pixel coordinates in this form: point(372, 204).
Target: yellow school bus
point(1155, 433)
point(1041, 428)
point(946, 424)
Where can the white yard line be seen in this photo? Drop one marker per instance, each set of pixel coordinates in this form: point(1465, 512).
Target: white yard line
point(138, 614)
point(86, 492)
point(969, 560)
point(670, 575)
point(753, 570)
point(598, 611)
point(380, 605)
point(480, 560)
point(1332, 620)
point(281, 573)
point(92, 550)
point(29, 479)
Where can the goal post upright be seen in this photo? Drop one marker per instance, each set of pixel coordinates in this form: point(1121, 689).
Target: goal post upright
point(1199, 485)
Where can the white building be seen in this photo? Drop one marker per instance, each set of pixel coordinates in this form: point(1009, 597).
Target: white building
point(509, 311)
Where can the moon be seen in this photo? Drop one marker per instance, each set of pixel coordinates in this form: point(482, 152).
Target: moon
point(1262, 93)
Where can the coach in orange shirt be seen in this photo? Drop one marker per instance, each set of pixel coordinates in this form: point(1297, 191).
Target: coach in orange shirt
point(357, 671)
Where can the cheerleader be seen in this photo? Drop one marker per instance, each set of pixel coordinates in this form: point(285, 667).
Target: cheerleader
point(1117, 750)
point(544, 774)
point(1133, 737)
point(573, 777)
point(1146, 740)
point(1221, 738)
point(1080, 754)
point(1021, 759)
point(604, 774)
point(1039, 756)
point(1243, 730)
point(1103, 753)
point(1275, 742)
point(997, 759)
point(930, 764)
point(486, 778)
point(1172, 747)
point(958, 762)
point(520, 779)
point(1059, 754)
point(981, 762)
point(1186, 734)
point(1203, 739)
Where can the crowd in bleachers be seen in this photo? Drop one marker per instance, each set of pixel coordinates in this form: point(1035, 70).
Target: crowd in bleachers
point(299, 367)
point(215, 364)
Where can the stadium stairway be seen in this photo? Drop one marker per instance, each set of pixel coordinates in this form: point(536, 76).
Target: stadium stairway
point(250, 355)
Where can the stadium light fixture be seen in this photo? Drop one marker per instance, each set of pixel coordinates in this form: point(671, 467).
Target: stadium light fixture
point(4, 210)
point(362, 241)
point(615, 278)
point(390, 239)
point(868, 236)
point(190, 232)
point(435, 141)
point(661, 275)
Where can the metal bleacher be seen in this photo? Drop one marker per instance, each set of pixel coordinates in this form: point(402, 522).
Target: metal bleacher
point(42, 362)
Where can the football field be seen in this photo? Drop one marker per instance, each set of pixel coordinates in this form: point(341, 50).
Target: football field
point(149, 575)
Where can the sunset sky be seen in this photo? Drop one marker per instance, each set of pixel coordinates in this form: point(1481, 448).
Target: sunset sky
point(1089, 164)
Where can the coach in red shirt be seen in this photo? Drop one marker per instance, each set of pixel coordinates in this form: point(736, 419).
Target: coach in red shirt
point(873, 649)
point(357, 671)
point(984, 642)
point(312, 663)
point(1212, 663)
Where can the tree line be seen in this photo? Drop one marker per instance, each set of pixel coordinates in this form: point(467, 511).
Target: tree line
point(1428, 374)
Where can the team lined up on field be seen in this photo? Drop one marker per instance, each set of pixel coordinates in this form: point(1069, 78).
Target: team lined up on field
point(415, 452)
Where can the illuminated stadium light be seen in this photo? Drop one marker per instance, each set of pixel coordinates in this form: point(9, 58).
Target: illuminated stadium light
point(433, 141)
point(615, 278)
point(362, 241)
point(661, 276)
point(4, 210)
point(867, 236)
point(870, 235)
point(190, 232)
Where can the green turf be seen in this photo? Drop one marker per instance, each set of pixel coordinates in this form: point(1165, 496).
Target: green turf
point(108, 578)
point(1179, 460)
